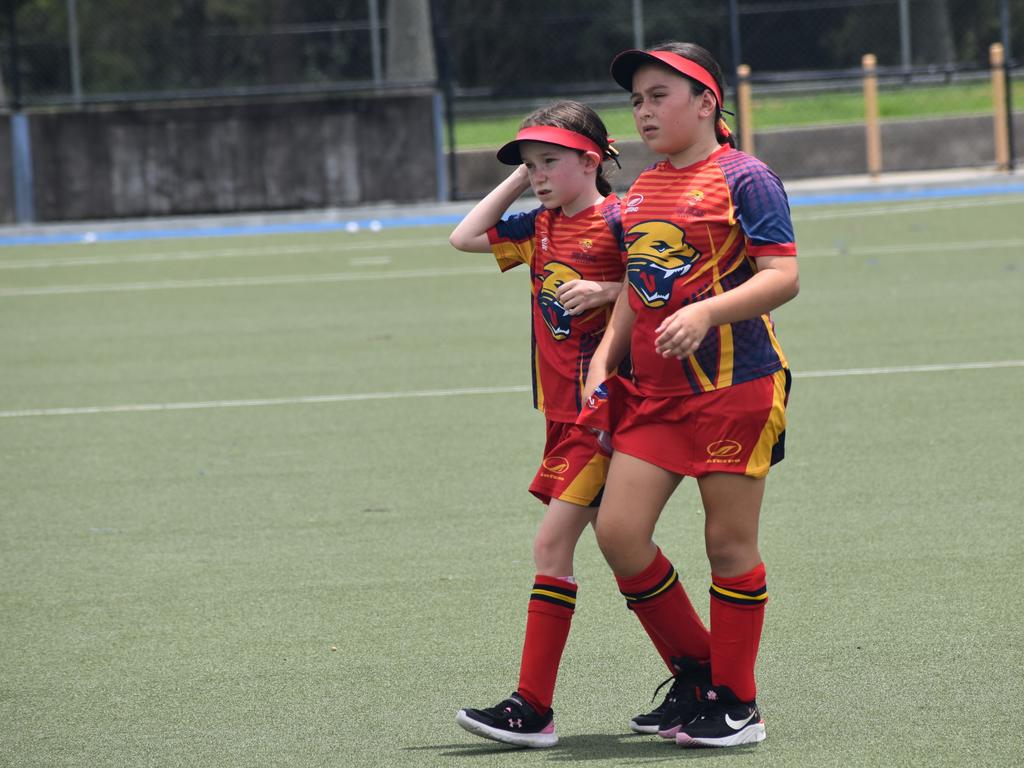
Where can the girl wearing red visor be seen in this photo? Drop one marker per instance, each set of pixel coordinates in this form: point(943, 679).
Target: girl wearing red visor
point(710, 253)
point(572, 245)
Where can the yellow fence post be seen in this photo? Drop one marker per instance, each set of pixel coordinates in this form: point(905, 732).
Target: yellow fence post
point(873, 131)
point(746, 109)
point(1002, 134)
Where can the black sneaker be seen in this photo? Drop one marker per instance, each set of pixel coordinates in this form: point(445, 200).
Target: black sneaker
point(723, 721)
point(648, 723)
point(683, 700)
point(513, 721)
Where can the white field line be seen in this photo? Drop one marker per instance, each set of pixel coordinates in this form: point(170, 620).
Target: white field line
point(370, 261)
point(237, 282)
point(923, 206)
point(341, 277)
point(340, 248)
point(349, 398)
point(300, 400)
point(879, 250)
point(935, 368)
point(219, 253)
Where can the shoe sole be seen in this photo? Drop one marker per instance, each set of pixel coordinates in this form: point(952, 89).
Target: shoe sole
point(752, 734)
point(669, 733)
point(533, 740)
point(635, 727)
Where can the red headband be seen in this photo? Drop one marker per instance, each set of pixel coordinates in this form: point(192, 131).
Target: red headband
point(562, 137)
point(626, 64)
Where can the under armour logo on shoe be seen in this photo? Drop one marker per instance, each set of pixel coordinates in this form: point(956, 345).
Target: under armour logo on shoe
point(712, 695)
point(515, 723)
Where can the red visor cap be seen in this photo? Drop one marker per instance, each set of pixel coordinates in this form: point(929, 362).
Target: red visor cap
point(625, 65)
point(562, 137)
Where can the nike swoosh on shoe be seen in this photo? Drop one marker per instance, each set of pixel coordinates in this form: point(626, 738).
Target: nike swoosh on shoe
point(737, 724)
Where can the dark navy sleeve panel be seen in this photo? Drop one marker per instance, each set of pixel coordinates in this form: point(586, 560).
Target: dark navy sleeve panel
point(512, 239)
point(518, 226)
point(760, 202)
point(611, 211)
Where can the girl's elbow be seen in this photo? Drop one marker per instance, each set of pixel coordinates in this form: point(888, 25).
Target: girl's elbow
point(457, 241)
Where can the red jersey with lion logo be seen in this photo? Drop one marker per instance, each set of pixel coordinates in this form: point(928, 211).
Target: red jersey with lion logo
point(560, 248)
point(692, 233)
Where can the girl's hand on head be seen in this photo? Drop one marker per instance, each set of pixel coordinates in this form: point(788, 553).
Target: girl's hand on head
point(577, 296)
point(681, 333)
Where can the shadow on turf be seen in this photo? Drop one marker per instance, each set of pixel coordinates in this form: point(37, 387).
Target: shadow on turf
point(587, 747)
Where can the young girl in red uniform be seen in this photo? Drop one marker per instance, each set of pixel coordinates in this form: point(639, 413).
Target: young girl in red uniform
point(572, 246)
point(710, 254)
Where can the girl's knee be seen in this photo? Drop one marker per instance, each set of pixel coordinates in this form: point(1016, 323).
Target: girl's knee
point(732, 557)
point(620, 546)
point(553, 553)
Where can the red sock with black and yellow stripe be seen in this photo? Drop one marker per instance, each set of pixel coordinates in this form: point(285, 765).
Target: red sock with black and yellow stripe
point(659, 645)
point(737, 617)
point(658, 599)
point(548, 618)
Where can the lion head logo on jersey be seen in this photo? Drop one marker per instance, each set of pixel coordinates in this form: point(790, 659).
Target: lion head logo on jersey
point(556, 317)
point(658, 254)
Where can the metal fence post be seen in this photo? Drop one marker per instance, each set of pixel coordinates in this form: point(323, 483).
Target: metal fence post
point(736, 44)
point(1004, 17)
point(446, 86)
point(441, 164)
point(905, 56)
point(872, 129)
point(76, 59)
point(375, 55)
point(21, 148)
point(638, 24)
point(21, 160)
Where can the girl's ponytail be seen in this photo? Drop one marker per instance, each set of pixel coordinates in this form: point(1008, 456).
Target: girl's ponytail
point(722, 132)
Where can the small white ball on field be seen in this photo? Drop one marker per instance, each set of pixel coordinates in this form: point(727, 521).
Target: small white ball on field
point(376, 226)
point(352, 226)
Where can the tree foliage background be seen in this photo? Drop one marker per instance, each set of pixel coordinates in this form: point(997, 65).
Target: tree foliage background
point(502, 46)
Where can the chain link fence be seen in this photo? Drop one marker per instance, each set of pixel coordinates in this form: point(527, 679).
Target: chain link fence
point(78, 51)
point(72, 52)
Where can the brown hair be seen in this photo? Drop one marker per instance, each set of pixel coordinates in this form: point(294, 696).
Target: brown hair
point(702, 56)
point(577, 117)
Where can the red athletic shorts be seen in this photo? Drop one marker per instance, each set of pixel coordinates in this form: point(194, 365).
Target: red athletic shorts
point(573, 468)
point(739, 429)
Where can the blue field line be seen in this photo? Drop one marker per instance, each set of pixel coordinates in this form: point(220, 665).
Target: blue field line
point(405, 222)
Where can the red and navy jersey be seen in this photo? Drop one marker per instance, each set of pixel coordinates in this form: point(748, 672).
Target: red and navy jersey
point(692, 233)
point(560, 248)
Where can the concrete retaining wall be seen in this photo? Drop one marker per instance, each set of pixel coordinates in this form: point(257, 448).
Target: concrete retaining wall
point(334, 152)
point(278, 155)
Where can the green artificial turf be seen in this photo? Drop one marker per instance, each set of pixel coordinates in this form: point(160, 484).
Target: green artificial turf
point(325, 584)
